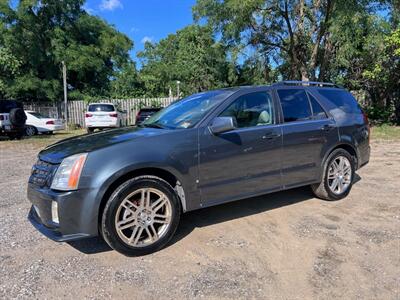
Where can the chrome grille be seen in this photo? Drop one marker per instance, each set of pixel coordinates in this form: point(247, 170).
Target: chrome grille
point(41, 173)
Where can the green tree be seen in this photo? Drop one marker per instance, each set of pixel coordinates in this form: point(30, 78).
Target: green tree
point(43, 33)
point(295, 34)
point(126, 83)
point(191, 56)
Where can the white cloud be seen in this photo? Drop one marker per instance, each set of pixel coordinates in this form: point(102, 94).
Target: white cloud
point(89, 10)
point(134, 29)
point(147, 39)
point(110, 4)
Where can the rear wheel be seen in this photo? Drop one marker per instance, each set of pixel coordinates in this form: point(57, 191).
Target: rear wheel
point(30, 130)
point(141, 216)
point(337, 178)
point(90, 130)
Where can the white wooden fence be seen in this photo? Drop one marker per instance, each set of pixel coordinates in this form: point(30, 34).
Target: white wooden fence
point(76, 109)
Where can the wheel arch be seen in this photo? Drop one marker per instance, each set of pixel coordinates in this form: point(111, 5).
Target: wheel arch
point(345, 146)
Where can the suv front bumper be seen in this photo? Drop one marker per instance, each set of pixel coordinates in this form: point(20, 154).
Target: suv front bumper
point(77, 216)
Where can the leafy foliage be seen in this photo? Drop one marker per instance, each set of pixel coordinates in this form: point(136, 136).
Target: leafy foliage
point(190, 56)
point(355, 43)
point(350, 42)
point(42, 33)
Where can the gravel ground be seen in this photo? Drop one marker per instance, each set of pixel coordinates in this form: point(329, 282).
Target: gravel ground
point(286, 245)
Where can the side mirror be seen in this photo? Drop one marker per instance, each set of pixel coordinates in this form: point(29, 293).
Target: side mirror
point(222, 124)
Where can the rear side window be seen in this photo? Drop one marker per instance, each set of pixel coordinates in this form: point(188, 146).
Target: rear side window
point(342, 99)
point(101, 107)
point(318, 112)
point(295, 105)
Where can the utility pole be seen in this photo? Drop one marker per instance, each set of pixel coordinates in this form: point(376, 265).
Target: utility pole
point(177, 88)
point(64, 71)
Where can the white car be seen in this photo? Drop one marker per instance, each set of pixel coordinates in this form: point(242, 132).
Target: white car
point(104, 115)
point(36, 123)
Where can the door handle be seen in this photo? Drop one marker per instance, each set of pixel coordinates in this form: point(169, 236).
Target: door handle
point(271, 136)
point(328, 127)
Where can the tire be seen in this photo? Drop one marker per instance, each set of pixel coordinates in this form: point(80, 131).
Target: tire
point(90, 130)
point(126, 203)
point(326, 188)
point(30, 130)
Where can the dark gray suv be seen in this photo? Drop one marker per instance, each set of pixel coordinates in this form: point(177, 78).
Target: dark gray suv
point(131, 185)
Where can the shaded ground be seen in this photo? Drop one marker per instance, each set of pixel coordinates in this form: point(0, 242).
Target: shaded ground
point(287, 245)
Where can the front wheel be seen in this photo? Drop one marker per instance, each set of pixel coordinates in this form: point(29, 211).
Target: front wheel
point(338, 175)
point(141, 216)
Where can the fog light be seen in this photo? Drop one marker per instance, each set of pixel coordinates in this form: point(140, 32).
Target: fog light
point(54, 212)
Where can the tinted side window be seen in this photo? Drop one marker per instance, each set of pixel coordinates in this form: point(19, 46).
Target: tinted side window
point(342, 99)
point(295, 105)
point(253, 109)
point(318, 111)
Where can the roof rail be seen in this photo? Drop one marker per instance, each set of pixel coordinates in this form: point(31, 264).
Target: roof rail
point(307, 83)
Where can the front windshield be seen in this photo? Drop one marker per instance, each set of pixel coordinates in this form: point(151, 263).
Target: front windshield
point(187, 112)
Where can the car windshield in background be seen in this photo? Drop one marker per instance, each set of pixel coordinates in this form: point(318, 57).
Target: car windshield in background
point(187, 112)
point(37, 115)
point(101, 107)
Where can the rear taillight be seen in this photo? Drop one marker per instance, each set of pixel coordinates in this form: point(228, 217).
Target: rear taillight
point(1, 118)
point(366, 122)
point(50, 123)
point(114, 115)
point(88, 115)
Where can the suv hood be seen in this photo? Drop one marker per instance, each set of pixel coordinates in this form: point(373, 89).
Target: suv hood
point(55, 153)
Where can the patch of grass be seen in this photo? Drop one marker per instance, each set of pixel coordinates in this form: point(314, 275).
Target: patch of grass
point(385, 132)
point(43, 140)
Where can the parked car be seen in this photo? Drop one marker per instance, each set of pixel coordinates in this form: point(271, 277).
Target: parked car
point(131, 185)
point(144, 113)
point(12, 119)
point(37, 123)
point(103, 116)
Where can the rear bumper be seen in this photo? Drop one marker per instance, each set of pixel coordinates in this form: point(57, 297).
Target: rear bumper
point(364, 155)
point(51, 128)
point(105, 124)
point(77, 214)
point(11, 129)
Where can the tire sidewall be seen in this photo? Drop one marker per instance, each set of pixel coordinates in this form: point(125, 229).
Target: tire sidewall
point(331, 157)
point(108, 229)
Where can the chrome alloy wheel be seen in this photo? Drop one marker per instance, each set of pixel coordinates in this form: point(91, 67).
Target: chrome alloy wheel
point(143, 217)
point(339, 175)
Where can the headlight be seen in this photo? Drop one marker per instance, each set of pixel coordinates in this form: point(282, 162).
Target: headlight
point(68, 173)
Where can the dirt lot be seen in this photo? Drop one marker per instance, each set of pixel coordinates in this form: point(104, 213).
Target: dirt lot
point(287, 245)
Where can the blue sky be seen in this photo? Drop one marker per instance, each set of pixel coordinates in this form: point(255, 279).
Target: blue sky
point(143, 20)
